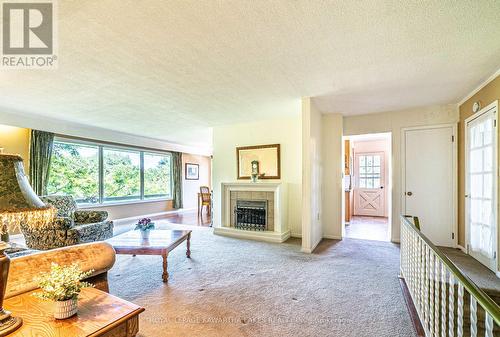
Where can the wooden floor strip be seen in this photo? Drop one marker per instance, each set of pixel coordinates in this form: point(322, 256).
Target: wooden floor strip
point(419, 329)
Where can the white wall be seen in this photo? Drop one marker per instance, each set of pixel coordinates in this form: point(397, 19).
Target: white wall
point(394, 122)
point(191, 188)
point(285, 131)
point(312, 167)
point(333, 191)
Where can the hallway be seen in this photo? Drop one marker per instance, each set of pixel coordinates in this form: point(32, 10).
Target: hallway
point(368, 228)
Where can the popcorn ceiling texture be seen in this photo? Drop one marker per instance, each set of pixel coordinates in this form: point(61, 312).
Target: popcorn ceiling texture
point(172, 69)
point(234, 287)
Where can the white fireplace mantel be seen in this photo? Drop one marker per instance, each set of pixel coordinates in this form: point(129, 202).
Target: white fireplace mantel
point(280, 233)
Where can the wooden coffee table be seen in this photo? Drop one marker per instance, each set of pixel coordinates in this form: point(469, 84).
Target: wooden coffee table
point(99, 314)
point(160, 242)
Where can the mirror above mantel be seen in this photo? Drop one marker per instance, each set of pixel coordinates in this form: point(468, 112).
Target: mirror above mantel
point(267, 158)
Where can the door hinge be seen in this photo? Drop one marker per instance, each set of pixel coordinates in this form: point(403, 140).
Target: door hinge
point(452, 139)
point(452, 236)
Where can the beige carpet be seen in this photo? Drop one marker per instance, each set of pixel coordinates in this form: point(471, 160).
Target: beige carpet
point(235, 287)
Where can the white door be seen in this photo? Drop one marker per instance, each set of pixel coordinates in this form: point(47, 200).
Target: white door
point(369, 194)
point(481, 182)
point(429, 178)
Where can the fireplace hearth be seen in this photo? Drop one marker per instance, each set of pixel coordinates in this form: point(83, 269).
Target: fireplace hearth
point(251, 215)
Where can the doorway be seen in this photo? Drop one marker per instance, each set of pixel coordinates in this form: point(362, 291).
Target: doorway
point(481, 189)
point(367, 186)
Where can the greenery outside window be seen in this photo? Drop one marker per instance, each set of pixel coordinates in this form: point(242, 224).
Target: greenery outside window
point(157, 178)
point(122, 175)
point(94, 173)
point(74, 171)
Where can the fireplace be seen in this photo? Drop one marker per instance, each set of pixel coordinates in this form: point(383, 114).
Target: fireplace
point(255, 211)
point(251, 215)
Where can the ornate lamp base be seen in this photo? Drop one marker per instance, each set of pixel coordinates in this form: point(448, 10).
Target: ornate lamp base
point(8, 323)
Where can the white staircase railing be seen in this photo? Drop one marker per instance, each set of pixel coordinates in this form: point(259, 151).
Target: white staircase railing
point(448, 303)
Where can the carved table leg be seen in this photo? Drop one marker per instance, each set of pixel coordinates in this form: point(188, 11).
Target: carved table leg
point(188, 243)
point(165, 265)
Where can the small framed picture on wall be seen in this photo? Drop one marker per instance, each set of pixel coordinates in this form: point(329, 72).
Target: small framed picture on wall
point(192, 171)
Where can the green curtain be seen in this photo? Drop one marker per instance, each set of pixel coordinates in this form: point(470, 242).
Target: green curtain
point(177, 178)
point(40, 154)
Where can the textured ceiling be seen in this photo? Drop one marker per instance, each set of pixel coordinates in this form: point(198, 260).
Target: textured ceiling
point(172, 69)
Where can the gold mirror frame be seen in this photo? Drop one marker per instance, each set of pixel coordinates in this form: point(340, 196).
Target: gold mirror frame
point(259, 147)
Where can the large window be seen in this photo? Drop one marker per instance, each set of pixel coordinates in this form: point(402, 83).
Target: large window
point(97, 174)
point(74, 171)
point(122, 175)
point(156, 175)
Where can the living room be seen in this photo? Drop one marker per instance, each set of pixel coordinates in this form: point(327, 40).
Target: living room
point(179, 168)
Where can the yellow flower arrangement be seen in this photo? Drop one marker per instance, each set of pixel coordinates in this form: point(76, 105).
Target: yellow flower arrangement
point(62, 282)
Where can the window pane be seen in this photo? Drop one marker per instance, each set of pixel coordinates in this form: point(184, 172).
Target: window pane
point(156, 175)
point(121, 175)
point(369, 183)
point(362, 182)
point(74, 171)
point(376, 160)
point(362, 160)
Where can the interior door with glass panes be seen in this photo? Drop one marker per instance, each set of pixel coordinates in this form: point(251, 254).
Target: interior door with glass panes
point(481, 188)
point(369, 193)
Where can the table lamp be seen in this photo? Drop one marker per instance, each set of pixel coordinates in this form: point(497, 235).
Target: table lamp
point(18, 204)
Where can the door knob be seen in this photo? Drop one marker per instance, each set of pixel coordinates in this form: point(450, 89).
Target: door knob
point(382, 187)
point(409, 194)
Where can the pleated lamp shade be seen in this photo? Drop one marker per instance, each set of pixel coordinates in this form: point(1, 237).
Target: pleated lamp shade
point(18, 202)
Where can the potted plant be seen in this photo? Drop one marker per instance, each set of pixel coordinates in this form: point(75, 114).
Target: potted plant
point(145, 226)
point(62, 285)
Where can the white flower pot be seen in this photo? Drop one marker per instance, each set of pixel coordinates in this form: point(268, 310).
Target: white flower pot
point(145, 234)
point(65, 309)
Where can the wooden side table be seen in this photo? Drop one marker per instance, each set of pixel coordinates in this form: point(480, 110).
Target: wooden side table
point(99, 314)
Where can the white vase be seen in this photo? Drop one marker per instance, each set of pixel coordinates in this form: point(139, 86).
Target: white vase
point(145, 234)
point(65, 309)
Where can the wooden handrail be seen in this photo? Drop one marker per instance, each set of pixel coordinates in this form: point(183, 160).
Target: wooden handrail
point(481, 297)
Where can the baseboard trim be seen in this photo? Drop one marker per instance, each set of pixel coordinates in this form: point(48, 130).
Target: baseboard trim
point(310, 250)
point(151, 215)
point(415, 320)
point(332, 237)
point(296, 235)
point(250, 235)
point(462, 248)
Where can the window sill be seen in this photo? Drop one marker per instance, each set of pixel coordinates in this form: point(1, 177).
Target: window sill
point(123, 203)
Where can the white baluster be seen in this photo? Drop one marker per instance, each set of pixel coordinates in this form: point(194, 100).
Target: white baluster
point(418, 273)
point(488, 325)
point(431, 291)
point(423, 282)
point(451, 307)
point(460, 310)
point(436, 296)
point(426, 288)
point(473, 317)
point(443, 300)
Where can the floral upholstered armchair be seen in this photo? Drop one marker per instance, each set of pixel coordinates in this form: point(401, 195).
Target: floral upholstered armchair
point(71, 226)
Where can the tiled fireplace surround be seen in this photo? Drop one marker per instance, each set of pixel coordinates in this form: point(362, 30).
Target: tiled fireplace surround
point(254, 196)
point(276, 197)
